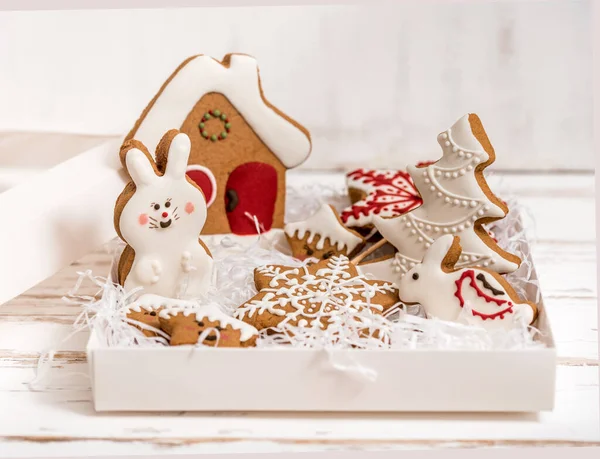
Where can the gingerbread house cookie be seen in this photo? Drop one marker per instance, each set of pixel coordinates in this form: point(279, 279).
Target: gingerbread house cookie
point(322, 236)
point(241, 144)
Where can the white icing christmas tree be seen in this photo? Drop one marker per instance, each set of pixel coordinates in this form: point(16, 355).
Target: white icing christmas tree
point(456, 200)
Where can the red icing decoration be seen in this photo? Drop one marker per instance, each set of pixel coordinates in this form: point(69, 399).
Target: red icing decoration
point(205, 183)
point(425, 163)
point(255, 186)
point(489, 299)
point(392, 191)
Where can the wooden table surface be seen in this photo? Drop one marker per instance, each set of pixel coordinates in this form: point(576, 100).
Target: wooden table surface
point(59, 418)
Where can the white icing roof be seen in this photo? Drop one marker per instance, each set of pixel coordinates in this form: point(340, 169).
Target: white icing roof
point(239, 83)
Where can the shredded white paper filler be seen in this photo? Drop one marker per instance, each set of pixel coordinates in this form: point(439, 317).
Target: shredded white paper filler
point(403, 328)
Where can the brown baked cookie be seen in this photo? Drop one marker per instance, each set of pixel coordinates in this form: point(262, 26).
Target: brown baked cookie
point(322, 236)
point(314, 296)
point(147, 317)
point(160, 214)
point(242, 145)
point(475, 295)
point(374, 192)
point(186, 328)
point(456, 201)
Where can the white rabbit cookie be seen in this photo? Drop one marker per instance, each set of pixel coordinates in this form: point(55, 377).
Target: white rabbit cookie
point(472, 295)
point(160, 214)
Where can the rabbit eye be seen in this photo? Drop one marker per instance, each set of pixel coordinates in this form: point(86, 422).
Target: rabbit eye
point(415, 276)
point(327, 255)
point(156, 206)
point(167, 204)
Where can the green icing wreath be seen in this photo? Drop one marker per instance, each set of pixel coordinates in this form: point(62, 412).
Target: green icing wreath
point(217, 115)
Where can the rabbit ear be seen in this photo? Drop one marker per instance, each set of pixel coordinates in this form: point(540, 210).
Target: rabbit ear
point(139, 167)
point(179, 153)
point(439, 249)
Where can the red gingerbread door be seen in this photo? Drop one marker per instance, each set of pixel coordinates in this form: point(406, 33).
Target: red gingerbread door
point(251, 191)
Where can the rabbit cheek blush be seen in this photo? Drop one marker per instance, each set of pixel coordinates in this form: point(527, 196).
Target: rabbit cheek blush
point(169, 260)
point(189, 207)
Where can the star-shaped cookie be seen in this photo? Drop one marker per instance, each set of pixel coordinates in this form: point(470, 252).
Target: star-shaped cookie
point(319, 295)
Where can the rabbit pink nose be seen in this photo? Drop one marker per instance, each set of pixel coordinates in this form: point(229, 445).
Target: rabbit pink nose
point(165, 214)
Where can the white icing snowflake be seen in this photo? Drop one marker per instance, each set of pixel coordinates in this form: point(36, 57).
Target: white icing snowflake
point(321, 295)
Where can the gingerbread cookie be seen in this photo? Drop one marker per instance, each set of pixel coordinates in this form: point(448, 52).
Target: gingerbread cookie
point(447, 293)
point(322, 236)
point(241, 144)
point(146, 317)
point(456, 200)
point(314, 296)
point(189, 327)
point(186, 321)
point(160, 214)
point(386, 193)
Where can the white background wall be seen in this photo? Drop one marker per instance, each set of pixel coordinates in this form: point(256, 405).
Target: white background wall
point(373, 85)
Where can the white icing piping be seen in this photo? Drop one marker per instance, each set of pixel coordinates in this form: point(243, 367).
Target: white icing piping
point(172, 307)
point(330, 292)
point(324, 224)
point(239, 83)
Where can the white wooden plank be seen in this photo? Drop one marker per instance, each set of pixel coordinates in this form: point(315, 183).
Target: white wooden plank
point(33, 336)
point(62, 448)
point(67, 413)
point(348, 449)
point(574, 324)
point(566, 270)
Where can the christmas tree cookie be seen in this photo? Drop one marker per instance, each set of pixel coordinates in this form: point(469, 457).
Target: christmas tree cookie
point(456, 200)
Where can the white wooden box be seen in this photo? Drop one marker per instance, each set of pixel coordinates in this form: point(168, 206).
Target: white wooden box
point(185, 378)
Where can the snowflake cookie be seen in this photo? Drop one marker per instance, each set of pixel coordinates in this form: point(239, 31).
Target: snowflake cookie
point(321, 295)
point(387, 193)
point(322, 235)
